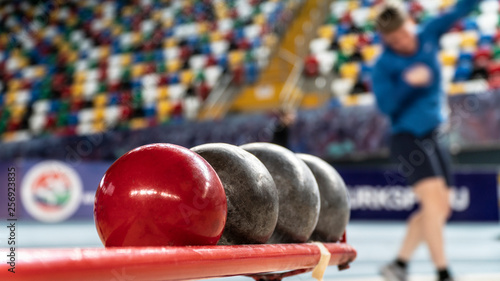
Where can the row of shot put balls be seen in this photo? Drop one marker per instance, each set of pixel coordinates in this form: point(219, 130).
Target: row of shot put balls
point(272, 195)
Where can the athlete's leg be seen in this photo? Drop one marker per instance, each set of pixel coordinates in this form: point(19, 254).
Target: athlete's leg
point(413, 237)
point(435, 210)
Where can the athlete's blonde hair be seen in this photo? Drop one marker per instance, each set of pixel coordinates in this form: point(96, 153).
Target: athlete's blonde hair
point(391, 16)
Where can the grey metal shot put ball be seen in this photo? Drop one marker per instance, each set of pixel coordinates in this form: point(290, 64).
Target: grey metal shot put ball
point(299, 201)
point(252, 197)
point(335, 210)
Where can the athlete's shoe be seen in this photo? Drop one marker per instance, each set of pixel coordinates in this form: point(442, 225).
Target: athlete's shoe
point(393, 272)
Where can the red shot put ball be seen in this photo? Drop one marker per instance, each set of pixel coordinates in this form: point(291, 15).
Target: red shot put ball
point(160, 195)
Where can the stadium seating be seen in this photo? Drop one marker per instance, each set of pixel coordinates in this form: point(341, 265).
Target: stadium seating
point(347, 44)
point(81, 67)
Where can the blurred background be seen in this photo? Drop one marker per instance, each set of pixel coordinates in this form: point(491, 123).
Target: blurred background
point(82, 82)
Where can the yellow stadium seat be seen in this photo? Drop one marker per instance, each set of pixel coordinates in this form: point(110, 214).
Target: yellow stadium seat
point(349, 70)
point(163, 119)
point(215, 36)
point(162, 92)
point(259, 19)
point(53, 15)
point(370, 52)
point(72, 56)
point(127, 11)
point(16, 53)
point(23, 62)
point(372, 14)
point(99, 126)
point(445, 4)
point(270, 40)
point(57, 40)
point(39, 71)
point(326, 31)
point(72, 21)
point(187, 77)
point(18, 112)
point(185, 4)
point(222, 13)
point(163, 109)
point(469, 39)
point(170, 42)
point(126, 59)
point(353, 5)
point(202, 28)
point(104, 52)
point(99, 114)
point(136, 38)
point(351, 100)
point(77, 90)
point(30, 12)
point(10, 98)
point(348, 42)
point(8, 136)
point(100, 100)
point(173, 65)
point(64, 48)
point(448, 58)
point(456, 89)
point(116, 30)
point(107, 22)
point(138, 123)
point(235, 58)
point(156, 16)
point(220, 10)
point(98, 9)
point(4, 38)
point(168, 23)
point(80, 77)
point(14, 85)
point(137, 70)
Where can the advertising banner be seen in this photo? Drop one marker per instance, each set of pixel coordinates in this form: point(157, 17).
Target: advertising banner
point(383, 195)
point(54, 191)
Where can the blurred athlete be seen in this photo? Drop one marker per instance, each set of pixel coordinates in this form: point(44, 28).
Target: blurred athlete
point(285, 120)
point(407, 86)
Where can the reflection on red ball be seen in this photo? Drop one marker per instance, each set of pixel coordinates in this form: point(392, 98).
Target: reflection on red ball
point(160, 195)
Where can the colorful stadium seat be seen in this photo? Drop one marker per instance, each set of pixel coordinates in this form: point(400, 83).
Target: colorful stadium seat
point(114, 60)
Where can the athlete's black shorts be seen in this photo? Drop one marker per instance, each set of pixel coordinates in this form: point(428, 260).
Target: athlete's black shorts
point(423, 157)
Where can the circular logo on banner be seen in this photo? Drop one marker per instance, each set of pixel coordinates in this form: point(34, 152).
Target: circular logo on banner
point(51, 191)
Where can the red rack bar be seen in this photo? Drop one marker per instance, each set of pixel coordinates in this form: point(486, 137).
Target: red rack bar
point(168, 263)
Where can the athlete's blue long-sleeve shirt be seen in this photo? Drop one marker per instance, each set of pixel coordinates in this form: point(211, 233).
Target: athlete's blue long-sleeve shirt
point(416, 110)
